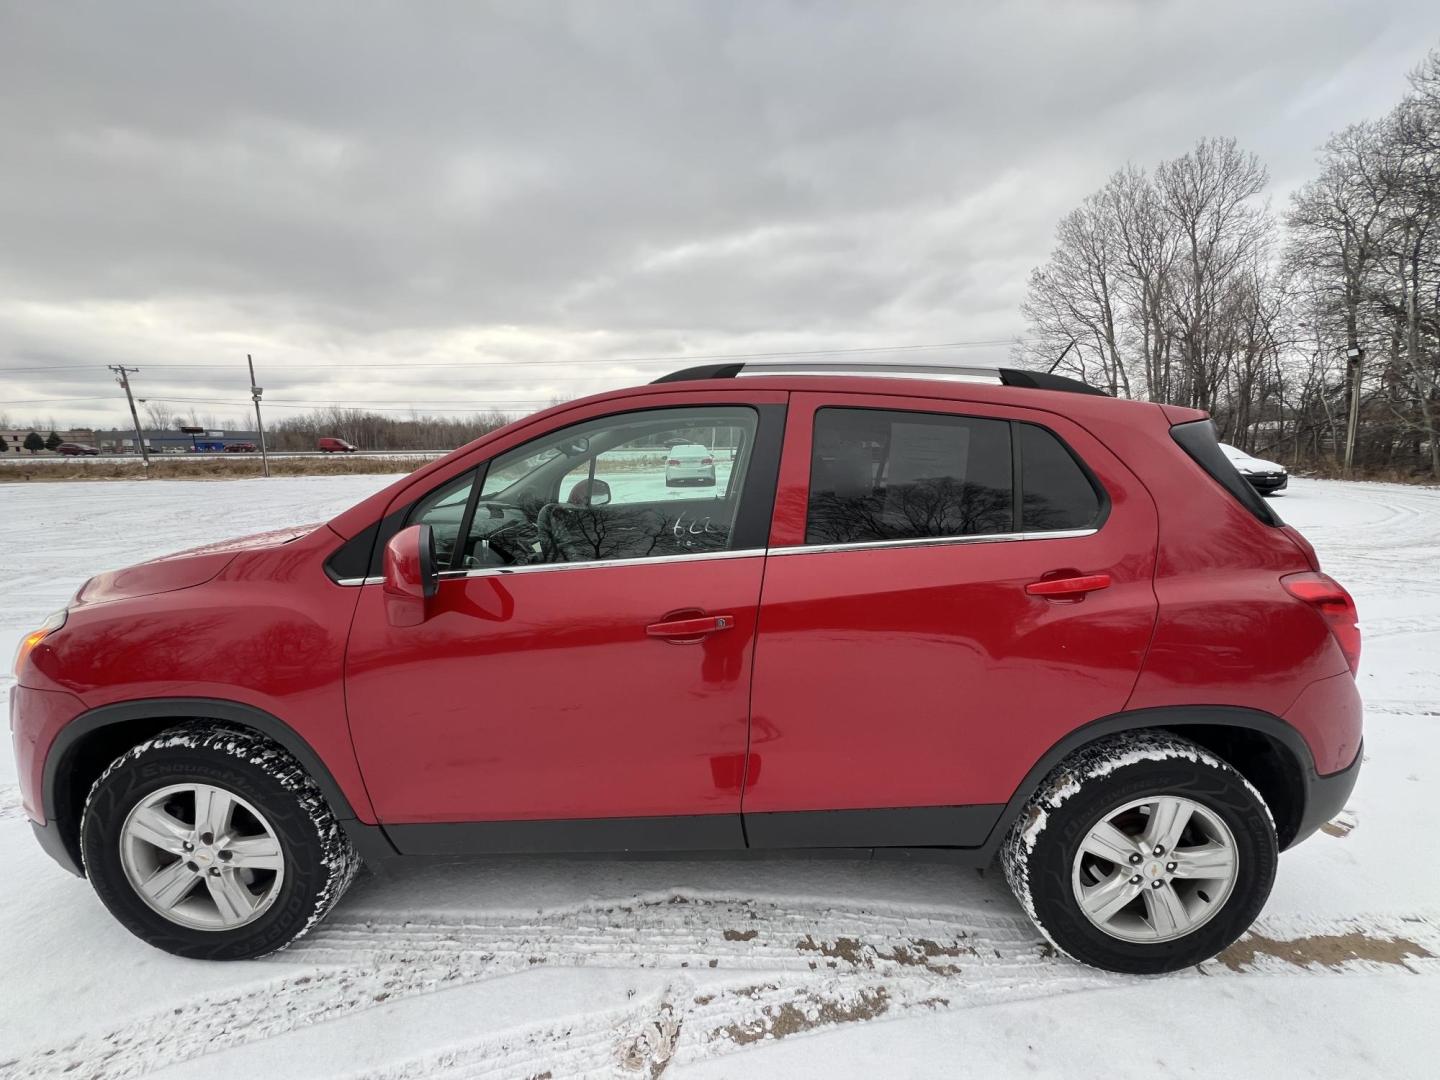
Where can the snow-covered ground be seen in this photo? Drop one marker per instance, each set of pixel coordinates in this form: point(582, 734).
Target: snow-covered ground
point(732, 968)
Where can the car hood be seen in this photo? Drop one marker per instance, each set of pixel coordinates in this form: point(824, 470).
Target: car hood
point(1256, 464)
point(182, 570)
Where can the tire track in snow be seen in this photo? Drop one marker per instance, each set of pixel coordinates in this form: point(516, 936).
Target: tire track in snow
point(802, 965)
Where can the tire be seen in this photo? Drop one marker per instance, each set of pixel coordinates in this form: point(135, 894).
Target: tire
point(1138, 779)
point(288, 863)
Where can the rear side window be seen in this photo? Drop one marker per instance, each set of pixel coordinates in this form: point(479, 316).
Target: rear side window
point(1055, 491)
point(878, 475)
point(1198, 440)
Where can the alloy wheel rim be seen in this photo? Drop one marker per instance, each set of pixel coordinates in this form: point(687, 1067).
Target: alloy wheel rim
point(201, 857)
point(1155, 869)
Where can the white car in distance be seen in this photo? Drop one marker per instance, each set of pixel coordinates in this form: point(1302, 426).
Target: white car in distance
point(689, 463)
point(1266, 477)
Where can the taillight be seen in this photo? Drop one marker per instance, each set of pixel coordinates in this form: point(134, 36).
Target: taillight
point(1329, 597)
point(707, 461)
point(673, 461)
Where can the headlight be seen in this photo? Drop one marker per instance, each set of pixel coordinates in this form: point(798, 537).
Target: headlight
point(32, 639)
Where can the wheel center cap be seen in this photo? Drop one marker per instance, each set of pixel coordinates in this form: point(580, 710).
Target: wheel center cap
point(1154, 870)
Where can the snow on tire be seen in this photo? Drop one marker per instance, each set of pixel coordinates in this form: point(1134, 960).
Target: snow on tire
point(212, 842)
point(1142, 853)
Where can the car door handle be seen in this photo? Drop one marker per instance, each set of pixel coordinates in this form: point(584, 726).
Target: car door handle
point(691, 628)
point(1069, 586)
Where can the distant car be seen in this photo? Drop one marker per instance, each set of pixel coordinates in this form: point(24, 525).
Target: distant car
point(331, 445)
point(1266, 477)
point(689, 463)
point(75, 449)
point(240, 448)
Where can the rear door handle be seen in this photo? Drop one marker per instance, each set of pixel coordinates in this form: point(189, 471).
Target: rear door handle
point(1069, 586)
point(691, 628)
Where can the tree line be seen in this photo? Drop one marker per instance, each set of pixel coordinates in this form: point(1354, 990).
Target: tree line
point(1181, 285)
point(378, 431)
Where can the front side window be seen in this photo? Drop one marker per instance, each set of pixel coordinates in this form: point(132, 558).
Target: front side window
point(879, 475)
point(444, 511)
point(646, 484)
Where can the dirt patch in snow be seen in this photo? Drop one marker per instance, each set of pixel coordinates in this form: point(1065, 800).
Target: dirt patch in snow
point(912, 952)
point(1341, 825)
point(806, 1014)
point(1331, 950)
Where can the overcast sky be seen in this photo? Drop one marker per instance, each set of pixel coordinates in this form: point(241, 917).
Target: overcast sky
point(454, 206)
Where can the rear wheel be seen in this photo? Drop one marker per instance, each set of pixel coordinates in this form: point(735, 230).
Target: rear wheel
point(1143, 853)
point(212, 842)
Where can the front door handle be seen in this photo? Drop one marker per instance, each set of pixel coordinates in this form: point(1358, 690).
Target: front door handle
point(1069, 586)
point(694, 628)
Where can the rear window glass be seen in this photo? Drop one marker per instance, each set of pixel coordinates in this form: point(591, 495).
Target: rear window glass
point(1056, 493)
point(880, 475)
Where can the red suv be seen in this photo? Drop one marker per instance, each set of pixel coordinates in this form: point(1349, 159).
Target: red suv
point(971, 615)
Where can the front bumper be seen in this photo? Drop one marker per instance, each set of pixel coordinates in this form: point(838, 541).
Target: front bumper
point(1325, 796)
point(1265, 483)
point(54, 844)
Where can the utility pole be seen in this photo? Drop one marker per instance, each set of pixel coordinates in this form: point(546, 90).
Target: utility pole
point(255, 392)
point(1354, 358)
point(124, 380)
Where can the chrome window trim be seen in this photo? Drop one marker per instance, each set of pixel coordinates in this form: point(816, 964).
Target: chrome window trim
point(750, 553)
point(934, 541)
point(648, 560)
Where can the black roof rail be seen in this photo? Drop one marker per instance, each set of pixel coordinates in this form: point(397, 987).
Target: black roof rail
point(1043, 380)
point(1033, 380)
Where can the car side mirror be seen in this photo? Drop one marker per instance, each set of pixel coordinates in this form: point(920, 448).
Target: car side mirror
point(589, 493)
point(412, 575)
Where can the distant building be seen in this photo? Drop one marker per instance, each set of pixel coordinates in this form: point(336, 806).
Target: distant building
point(14, 438)
point(171, 441)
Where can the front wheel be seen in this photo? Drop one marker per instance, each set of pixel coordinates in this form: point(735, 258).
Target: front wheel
point(213, 843)
point(1142, 853)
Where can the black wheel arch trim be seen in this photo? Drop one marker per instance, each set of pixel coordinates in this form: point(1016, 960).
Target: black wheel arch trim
point(272, 727)
point(1171, 717)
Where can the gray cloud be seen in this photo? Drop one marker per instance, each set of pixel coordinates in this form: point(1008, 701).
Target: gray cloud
point(500, 184)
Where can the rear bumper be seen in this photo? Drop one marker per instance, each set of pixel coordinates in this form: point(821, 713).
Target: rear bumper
point(1325, 796)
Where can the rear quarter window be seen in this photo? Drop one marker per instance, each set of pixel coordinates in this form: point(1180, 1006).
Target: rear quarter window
point(1056, 491)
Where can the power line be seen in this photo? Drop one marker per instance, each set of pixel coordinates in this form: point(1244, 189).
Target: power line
point(290, 404)
point(615, 362)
